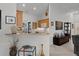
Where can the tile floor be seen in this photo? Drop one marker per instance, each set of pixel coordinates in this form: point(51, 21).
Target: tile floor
point(66, 49)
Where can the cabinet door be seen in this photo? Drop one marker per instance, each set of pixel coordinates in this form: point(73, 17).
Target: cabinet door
point(34, 25)
point(43, 23)
point(19, 18)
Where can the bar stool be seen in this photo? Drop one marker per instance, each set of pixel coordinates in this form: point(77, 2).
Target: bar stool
point(27, 50)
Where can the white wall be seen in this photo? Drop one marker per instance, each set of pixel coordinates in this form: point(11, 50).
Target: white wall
point(75, 22)
point(7, 10)
point(43, 16)
point(29, 17)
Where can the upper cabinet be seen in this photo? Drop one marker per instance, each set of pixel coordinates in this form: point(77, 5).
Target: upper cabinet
point(34, 25)
point(43, 23)
point(19, 18)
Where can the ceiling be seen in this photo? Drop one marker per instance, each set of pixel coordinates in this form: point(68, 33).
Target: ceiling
point(40, 8)
point(63, 8)
point(63, 11)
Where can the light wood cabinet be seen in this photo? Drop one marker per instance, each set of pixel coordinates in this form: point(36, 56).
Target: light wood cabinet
point(43, 22)
point(34, 25)
point(19, 18)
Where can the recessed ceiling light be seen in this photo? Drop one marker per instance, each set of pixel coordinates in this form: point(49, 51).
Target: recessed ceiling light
point(34, 8)
point(23, 5)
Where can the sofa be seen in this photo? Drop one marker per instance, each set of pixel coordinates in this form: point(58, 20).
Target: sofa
point(60, 40)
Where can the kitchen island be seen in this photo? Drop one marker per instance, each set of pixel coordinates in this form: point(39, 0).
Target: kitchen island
point(35, 39)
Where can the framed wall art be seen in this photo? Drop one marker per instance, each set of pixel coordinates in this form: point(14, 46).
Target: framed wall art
point(59, 25)
point(72, 26)
point(10, 19)
point(52, 23)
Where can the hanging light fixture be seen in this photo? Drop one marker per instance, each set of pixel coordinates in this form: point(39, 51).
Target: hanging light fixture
point(46, 13)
